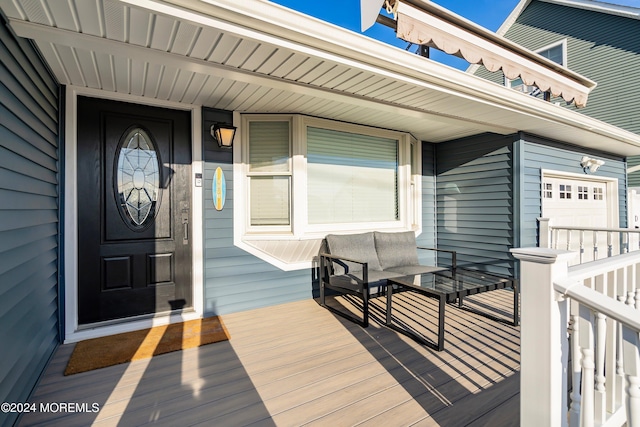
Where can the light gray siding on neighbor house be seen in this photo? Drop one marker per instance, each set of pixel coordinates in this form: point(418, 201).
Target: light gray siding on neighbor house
point(538, 155)
point(475, 201)
point(28, 218)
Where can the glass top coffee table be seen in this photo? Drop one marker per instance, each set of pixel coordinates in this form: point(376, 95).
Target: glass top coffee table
point(448, 286)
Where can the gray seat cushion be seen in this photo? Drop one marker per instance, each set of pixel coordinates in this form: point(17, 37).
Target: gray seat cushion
point(408, 270)
point(396, 249)
point(377, 280)
point(360, 247)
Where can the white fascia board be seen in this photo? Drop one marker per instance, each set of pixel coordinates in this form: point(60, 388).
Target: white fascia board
point(602, 7)
point(268, 22)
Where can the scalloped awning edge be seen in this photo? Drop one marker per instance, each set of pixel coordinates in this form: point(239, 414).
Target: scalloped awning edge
point(419, 27)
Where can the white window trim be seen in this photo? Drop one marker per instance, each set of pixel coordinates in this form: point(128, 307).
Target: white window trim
point(409, 194)
point(244, 134)
point(563, 42)
point(73, 332)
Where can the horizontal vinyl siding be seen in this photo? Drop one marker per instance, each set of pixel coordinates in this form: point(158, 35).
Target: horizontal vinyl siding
point(428, 236)
point(475, 201)
point(234, 279)
point(537, 156)
point(633, 177)
point(28, 219)
point(600, 46)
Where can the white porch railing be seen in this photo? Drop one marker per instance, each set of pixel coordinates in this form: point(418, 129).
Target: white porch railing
point(580, 352)
point(591, 243)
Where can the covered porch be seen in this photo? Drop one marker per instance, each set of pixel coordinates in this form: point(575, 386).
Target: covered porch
point(298, 364)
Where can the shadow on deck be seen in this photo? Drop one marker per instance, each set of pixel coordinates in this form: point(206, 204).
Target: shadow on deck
point(298, 364)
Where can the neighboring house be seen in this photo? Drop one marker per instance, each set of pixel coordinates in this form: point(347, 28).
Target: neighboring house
point(111, 207)
point(595, 39)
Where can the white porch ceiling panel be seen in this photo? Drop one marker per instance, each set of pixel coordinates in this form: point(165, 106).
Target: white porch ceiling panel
point(255, 56)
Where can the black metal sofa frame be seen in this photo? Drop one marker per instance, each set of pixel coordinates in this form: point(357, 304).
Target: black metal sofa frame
point(360, 264)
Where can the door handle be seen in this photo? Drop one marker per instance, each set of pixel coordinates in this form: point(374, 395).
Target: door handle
point(185, 227)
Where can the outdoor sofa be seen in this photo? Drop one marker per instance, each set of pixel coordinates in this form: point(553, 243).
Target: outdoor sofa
point(360, 264)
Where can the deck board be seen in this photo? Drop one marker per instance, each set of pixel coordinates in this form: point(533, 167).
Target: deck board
point(299, 364)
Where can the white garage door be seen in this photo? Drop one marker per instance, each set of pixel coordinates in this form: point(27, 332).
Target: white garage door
point(575, 202)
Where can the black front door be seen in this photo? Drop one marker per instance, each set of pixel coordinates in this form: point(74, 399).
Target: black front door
point(134, 210)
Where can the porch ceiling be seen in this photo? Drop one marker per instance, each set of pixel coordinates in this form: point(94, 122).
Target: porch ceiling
point(259, 57)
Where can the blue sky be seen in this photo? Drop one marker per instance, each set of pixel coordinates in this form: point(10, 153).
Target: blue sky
point(346, 13)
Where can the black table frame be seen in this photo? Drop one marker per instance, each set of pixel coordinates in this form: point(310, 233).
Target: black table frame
point(459, 289)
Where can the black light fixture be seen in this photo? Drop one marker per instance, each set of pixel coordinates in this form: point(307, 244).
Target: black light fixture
point(223, 133)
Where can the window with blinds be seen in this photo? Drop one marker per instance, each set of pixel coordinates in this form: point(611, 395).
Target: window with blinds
point(302, 177)
point(269, 173)
point(351, 177)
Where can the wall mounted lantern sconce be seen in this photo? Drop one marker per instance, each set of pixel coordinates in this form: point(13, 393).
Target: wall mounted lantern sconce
point(590, 164)
point(223, 133)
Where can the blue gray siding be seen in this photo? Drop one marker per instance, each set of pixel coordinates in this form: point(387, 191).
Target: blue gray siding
point(489, 194)
point(236, 280)
point(538, 155)
point(428, 236)
point(28, 218)
point(475, 201)
point(634, 177)
point(600, 46)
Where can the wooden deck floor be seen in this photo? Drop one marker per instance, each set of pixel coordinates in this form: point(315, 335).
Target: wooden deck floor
point(298, 364)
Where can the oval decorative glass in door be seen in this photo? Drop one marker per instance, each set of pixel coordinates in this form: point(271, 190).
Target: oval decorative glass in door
point(138, 178)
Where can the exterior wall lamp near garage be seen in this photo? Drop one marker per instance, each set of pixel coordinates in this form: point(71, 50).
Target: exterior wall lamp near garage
point(590, 164)
point(223, 133)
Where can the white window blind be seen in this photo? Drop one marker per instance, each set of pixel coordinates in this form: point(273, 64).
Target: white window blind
point(269, 146)
point(269, 172)
point(351, 177)
point(269, 200)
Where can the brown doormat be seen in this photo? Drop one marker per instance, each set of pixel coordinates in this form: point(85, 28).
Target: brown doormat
point(121, 348)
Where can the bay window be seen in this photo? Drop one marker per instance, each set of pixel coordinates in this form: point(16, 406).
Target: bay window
point(298, 178)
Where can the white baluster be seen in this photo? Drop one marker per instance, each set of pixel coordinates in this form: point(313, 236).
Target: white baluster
point(581, 246)
point(569, 234)
point(633, 289)
point(588, 366)
point(600, 394)
point(576, 367)
point(600, 346)
point(632, 370)
point(595, 245)
point(625, 242)
point(631, 294)
point(615, 382)
point(609, 244)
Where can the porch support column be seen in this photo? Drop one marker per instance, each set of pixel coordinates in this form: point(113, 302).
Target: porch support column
point(543, 337)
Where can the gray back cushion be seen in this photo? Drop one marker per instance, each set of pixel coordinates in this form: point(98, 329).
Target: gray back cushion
point(359, 247)
point(396, 249)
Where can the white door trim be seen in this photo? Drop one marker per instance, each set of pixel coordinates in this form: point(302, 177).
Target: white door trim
point(71, 331)
point(613, 210)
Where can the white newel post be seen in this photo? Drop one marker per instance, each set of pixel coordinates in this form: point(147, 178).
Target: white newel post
point(543, 337)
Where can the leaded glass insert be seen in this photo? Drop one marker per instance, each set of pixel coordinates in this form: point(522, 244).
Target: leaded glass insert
point(138, 177)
